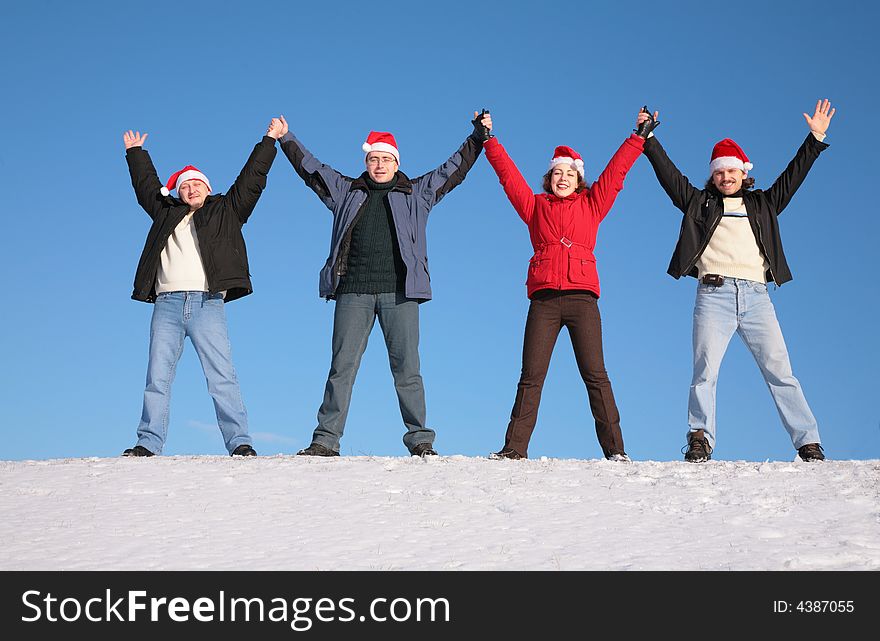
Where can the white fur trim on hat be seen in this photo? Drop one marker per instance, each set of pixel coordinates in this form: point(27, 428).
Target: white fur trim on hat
point(192, 175)
point(382, 146)
point(729, 162)
point(579, 164)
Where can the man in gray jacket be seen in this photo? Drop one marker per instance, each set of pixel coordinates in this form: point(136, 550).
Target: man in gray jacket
point(377, 268)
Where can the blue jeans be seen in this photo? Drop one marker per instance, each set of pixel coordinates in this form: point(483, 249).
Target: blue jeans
point(353, 319)
point(744, 306)
point(202, 317)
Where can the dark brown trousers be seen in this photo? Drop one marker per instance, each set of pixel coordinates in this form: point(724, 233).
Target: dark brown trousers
point(549, 312)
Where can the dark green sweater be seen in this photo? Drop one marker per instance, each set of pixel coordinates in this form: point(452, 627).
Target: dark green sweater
point(374, 265)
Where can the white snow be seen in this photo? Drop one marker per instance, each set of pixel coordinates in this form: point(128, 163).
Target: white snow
point(443, 513)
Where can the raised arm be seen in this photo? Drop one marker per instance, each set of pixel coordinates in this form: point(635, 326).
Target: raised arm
point(434, 185)
point(515, 186)
point(604, 191)
point(330, 185)
point(144, 179)
point(780, 193)
point(246, 190)
point(674, 183)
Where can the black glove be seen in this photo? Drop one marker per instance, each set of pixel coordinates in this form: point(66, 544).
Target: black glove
point(648, 126)
point(481, 133)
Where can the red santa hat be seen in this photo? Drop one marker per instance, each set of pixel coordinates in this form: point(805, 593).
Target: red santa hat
point(728, 155)
point(381, 141)
point(187, 173)
point(563, 155)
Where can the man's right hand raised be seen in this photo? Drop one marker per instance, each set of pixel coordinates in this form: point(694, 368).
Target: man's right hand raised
point(133, 139)
point(277, 128)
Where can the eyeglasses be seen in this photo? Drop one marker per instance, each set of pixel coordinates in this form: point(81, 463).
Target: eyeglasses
point(375, 160)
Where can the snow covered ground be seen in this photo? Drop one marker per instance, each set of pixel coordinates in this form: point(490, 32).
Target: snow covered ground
point(444, 513)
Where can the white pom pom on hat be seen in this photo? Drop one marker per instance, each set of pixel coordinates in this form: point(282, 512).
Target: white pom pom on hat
point(187, 173)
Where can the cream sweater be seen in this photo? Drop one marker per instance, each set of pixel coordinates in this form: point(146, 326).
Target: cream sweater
point(180, 264)
point(733, 251)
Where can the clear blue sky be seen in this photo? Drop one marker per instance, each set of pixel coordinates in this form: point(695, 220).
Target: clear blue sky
point(204, 78)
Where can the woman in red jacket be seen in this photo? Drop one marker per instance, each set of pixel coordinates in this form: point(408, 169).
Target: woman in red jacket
point(563, 284)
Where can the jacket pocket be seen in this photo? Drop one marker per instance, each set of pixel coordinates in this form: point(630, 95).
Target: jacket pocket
point(540, 272)
point(582, 269)
point(227, 260)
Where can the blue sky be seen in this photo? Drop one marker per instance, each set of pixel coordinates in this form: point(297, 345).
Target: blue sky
point(204, 79)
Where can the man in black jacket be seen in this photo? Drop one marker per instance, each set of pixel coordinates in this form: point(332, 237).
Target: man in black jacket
point(194, 261)
point(730, 242)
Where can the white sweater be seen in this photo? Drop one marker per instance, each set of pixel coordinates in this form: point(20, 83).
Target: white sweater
point(180, 264)
point(733, 251)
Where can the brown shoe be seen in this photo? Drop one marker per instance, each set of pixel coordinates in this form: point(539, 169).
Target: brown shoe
point(811, 452)
point(506, 453)
point(698, 449)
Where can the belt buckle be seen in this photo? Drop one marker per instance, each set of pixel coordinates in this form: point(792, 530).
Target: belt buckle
point(565, 241)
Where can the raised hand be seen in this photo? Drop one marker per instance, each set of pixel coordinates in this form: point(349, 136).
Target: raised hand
point(821, 117)
point(482, 123)
point(133, 139)
point(276, 128)
point(646, 122)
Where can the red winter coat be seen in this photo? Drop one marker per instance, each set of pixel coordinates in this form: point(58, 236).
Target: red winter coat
point(563, 230)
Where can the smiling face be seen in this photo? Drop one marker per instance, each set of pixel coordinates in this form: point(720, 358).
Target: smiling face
point(381, 166)
point(193, 193)
point(728, 181)
point(563, 180)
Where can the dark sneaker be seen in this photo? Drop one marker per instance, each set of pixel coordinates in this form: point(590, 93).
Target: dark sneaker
point(244, 450)
point(137, 450)
point(811, 452)
point(506, 452)
point(698, 449)
point(619, 457)
point(423, 450)
point(316, 449)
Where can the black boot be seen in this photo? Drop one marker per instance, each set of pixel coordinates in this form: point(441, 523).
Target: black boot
point(316, 449)
point(137, 450)
point(244, 450)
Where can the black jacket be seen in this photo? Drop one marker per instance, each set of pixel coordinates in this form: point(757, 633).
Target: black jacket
point(218, 223)
point(703, 209)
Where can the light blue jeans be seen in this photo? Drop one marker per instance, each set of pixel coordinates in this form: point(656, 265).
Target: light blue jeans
point(353, 320)
point(201, 317)
point(744, 307)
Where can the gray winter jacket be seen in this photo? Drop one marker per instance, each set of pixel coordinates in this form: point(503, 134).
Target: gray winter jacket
point(411, 200)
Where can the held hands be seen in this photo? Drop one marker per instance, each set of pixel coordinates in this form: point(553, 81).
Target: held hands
point(482, 123)
point(133, 139)
point(277, 128)
point(821, 117)
point(646, 122)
